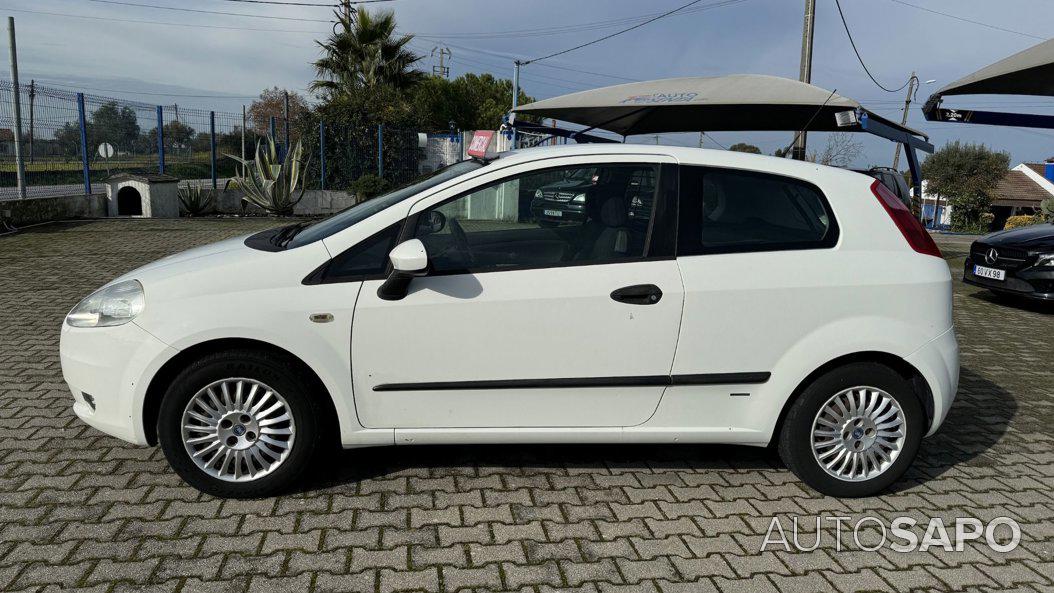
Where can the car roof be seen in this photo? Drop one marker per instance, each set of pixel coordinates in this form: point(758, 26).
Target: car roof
point(683, 154)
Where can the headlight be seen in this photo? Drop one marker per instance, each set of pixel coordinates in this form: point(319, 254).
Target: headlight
point(578, 199)
point(116, 304)
point(1045, 260)
point(538, 194)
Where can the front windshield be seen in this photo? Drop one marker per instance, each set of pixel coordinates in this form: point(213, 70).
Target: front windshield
point(363, 210)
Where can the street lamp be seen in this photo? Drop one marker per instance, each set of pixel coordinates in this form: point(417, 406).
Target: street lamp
point(913, 87)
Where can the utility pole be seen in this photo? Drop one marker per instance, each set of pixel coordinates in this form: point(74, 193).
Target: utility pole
point(32, 131)
point(286, 114)
point(913, 83)
point(347, 9)
point(515, 95)
point(805, 75)
point(442, 70)
point(16, 107)
point(244, 121)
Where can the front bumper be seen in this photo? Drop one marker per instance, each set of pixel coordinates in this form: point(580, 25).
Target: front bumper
point(1032, 283)
point(938, 361)
point(113, 366)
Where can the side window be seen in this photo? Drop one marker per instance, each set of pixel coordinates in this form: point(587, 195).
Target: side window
point(724, 211)
point(581, 214)
point(367, 258)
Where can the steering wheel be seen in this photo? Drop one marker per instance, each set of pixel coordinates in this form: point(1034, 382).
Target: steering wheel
point(461, 241)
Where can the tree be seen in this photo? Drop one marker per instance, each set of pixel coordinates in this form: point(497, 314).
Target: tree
point(114, 124)
point(840, 150)
point(68, 139)
point(364, 53)
point(966, 175)
point(470, 101)
point(744, 147)
point(177, 133)
point(272, 104)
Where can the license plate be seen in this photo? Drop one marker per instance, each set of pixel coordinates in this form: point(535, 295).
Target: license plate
point(991, 273)
point(554, 213)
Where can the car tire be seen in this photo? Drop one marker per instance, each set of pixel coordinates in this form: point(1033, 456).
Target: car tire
point(864, 405)
point(260, 415)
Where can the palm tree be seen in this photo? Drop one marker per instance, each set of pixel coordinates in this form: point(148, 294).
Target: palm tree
point(365, 52)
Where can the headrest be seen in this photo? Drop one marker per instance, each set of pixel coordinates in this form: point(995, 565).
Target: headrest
point(614, 213)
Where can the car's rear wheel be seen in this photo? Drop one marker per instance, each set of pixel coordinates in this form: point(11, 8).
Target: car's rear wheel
point(853, 431)
point(239, 424)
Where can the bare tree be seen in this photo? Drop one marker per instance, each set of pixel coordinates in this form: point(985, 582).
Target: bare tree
point(840, 150)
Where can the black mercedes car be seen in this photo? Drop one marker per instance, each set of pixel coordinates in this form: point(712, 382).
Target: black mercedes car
point(1018, 262)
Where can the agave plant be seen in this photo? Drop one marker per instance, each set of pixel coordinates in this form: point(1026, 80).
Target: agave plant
point(271, 183)
point(195, 199)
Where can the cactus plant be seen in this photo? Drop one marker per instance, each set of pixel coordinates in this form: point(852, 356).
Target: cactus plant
point(195, 199)
point(271, 183)
point(1046, 208)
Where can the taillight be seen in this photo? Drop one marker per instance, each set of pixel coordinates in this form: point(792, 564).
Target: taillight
point(912, 229)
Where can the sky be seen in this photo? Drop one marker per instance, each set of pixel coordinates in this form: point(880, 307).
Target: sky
point(214, 61)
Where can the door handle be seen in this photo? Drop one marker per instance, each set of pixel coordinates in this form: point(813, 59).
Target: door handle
point(638, 294)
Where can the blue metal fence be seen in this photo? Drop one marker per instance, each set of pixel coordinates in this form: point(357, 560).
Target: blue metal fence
point(73, 141)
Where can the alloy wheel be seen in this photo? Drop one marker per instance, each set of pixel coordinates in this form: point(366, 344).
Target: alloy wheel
point(238, 429)
point(858, 433)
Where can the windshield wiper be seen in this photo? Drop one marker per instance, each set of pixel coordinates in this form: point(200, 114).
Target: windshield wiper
point(284, 236)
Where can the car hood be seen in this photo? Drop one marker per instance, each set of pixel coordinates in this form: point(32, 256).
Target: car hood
point(235, 244)
point(1038, 237)
point(566, 185)
point(226, 266)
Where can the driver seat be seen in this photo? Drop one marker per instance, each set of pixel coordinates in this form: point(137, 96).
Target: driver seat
point(609, 224)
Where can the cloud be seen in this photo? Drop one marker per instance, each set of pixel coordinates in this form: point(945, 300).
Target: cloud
point(760, 36)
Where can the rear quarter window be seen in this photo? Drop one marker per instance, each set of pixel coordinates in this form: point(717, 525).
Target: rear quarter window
point(729, 211)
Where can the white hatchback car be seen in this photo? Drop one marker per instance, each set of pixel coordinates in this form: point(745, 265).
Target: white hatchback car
point(678, 296)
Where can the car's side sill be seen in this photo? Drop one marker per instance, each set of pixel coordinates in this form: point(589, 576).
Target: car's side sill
point(578, 382)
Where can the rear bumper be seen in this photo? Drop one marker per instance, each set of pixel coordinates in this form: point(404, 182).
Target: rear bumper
point(113, 366)
point(938, 361)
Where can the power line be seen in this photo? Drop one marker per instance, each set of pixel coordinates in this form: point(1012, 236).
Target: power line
point(147, 22)
point(966, 20)
point(492, 67)
point(563, 29)
point(504, 56)
point(589, 72)
point(195, 10)
point(330, 5)
point(838, 3)
point(606, 37)
point(276, 2)
point(72, 86)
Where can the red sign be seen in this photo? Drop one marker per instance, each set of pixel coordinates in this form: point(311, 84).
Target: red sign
point(480, 141)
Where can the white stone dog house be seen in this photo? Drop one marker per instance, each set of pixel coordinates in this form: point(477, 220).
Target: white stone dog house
point(147, 196)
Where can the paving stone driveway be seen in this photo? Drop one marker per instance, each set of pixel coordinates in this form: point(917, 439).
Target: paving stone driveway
point(80, 510)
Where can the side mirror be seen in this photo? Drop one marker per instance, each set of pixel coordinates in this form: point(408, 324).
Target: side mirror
point(432, 222)
point(409, 259)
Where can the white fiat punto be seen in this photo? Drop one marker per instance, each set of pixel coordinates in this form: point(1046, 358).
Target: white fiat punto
point(587, 293)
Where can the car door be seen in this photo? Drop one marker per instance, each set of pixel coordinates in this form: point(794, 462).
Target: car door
point(524, 322)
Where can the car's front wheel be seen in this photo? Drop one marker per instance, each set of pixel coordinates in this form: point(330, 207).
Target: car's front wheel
point(853, 431)
point(239, 424)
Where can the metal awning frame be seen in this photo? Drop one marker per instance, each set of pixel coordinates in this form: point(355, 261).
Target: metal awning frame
point(934, 112)
point(866, 124)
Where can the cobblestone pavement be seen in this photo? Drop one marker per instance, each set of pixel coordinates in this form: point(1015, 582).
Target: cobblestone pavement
point(80, 510)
